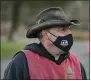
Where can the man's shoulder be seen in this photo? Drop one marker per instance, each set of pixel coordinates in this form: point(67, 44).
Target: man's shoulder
point(32, 46)
point(19, 57)
point(74, 56)
point(20, 54)
point(17, 68)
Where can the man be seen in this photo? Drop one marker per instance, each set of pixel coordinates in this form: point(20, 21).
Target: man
point(51, 58)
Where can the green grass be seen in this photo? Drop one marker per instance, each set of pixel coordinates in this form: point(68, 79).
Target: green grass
point(10, 48)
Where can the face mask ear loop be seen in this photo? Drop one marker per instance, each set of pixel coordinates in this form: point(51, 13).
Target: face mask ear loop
point(51, 33)
point(48, 37)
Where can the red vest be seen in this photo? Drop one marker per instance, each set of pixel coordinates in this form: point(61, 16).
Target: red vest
point(43, 68)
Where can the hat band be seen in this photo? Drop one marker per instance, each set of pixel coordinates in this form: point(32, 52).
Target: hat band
point(40, 21)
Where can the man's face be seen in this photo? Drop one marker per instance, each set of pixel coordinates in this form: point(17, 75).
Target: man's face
point(48, 38)
point(58, 31)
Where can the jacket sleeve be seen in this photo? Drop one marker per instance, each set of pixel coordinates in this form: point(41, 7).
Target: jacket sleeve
point(17, 69)
point(84, 77)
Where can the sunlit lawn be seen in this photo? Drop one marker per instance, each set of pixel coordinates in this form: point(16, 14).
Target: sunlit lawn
point(10, 48)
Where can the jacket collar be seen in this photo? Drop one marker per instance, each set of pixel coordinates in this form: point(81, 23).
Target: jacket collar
point(40, 49)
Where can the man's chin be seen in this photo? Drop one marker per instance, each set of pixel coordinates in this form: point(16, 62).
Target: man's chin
point(62, 52)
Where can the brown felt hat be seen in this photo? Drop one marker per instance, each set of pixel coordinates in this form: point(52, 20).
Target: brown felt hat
point(48, 18)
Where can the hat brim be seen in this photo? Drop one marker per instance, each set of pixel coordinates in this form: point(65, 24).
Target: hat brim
point(33, 30)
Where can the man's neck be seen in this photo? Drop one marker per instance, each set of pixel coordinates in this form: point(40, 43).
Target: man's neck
point(54, 51)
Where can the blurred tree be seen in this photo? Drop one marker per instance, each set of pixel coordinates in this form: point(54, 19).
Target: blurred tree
point(5, 10)
point(15, 18)
point(33, 9)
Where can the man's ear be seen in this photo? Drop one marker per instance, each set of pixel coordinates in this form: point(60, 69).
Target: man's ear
point(44, 34)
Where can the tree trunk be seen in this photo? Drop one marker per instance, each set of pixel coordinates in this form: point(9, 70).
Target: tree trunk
point(15, 18)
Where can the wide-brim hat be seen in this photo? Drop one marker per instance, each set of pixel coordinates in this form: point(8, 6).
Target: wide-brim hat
point(50, 17)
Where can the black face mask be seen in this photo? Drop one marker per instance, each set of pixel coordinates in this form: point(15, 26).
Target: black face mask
point(64, 43)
